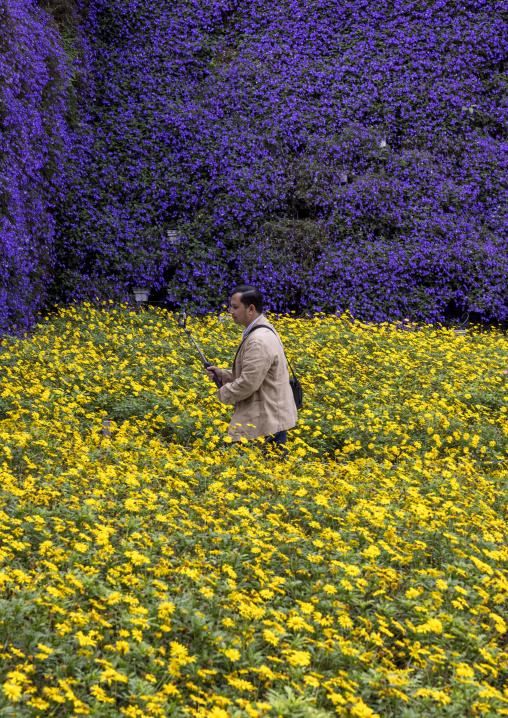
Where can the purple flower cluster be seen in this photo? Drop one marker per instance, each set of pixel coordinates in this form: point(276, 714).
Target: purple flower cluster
point(338, 155)
point(34, 142)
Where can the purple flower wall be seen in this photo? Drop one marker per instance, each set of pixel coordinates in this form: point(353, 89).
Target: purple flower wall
point(34, 141)
point(339, 155)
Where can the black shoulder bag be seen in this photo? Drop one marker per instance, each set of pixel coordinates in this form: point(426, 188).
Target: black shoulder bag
point(294, 383)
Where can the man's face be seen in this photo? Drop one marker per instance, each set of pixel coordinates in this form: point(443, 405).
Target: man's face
point(241, 314)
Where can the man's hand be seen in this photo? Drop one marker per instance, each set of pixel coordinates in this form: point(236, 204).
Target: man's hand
point(209, 371)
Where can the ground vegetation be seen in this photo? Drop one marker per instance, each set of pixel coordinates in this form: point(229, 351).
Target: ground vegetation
point(160, 571)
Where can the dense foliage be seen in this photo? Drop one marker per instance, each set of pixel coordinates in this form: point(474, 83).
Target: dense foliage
point(339, 155)
point(35, 109)
point(142, 578)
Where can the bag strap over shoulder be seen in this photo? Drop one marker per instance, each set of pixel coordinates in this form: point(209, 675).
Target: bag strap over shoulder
point(263, 326)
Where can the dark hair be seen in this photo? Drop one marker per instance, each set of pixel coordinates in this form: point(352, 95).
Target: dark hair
point(250, 295)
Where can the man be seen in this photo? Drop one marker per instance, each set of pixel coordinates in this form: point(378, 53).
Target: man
point(258, 384)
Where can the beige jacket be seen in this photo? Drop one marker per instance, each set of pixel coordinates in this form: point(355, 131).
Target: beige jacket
point(258, 386)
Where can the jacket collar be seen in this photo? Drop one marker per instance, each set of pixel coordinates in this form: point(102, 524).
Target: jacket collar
point(247, 329)
point(261, 321)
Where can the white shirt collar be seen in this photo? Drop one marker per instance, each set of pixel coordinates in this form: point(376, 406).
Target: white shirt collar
point(247, 329)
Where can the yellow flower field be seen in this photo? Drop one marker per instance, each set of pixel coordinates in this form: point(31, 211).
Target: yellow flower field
point(163, 572)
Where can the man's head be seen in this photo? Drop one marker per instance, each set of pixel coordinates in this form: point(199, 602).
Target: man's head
point(246, 304)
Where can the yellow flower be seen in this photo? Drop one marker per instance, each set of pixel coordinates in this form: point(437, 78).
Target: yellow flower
point(45, 651)
point(500, 623)
point(307, 607)
point(433, 625)
point(311, 681)
point(110, 674)
point(240, 684)
point(12, 691)
point(232, 653)
point(328, 588)
point(464, 671)
point(217, 712)
point(39, 704)
point(270, 637)
point(321, 500)
point(361, 710)
point(166, 608)
point(86, 640)
point(296, 622)
point(371, 552)
point(180, 654)
point(81, 547)
point(298, 658)
point(345, 621)
point(437, 695)
point(101, 694)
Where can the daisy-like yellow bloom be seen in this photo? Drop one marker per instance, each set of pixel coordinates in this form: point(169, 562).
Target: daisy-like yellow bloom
point(12, 691)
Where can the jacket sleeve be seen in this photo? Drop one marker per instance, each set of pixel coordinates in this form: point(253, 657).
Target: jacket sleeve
point(256, 363)
point(227, 376)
